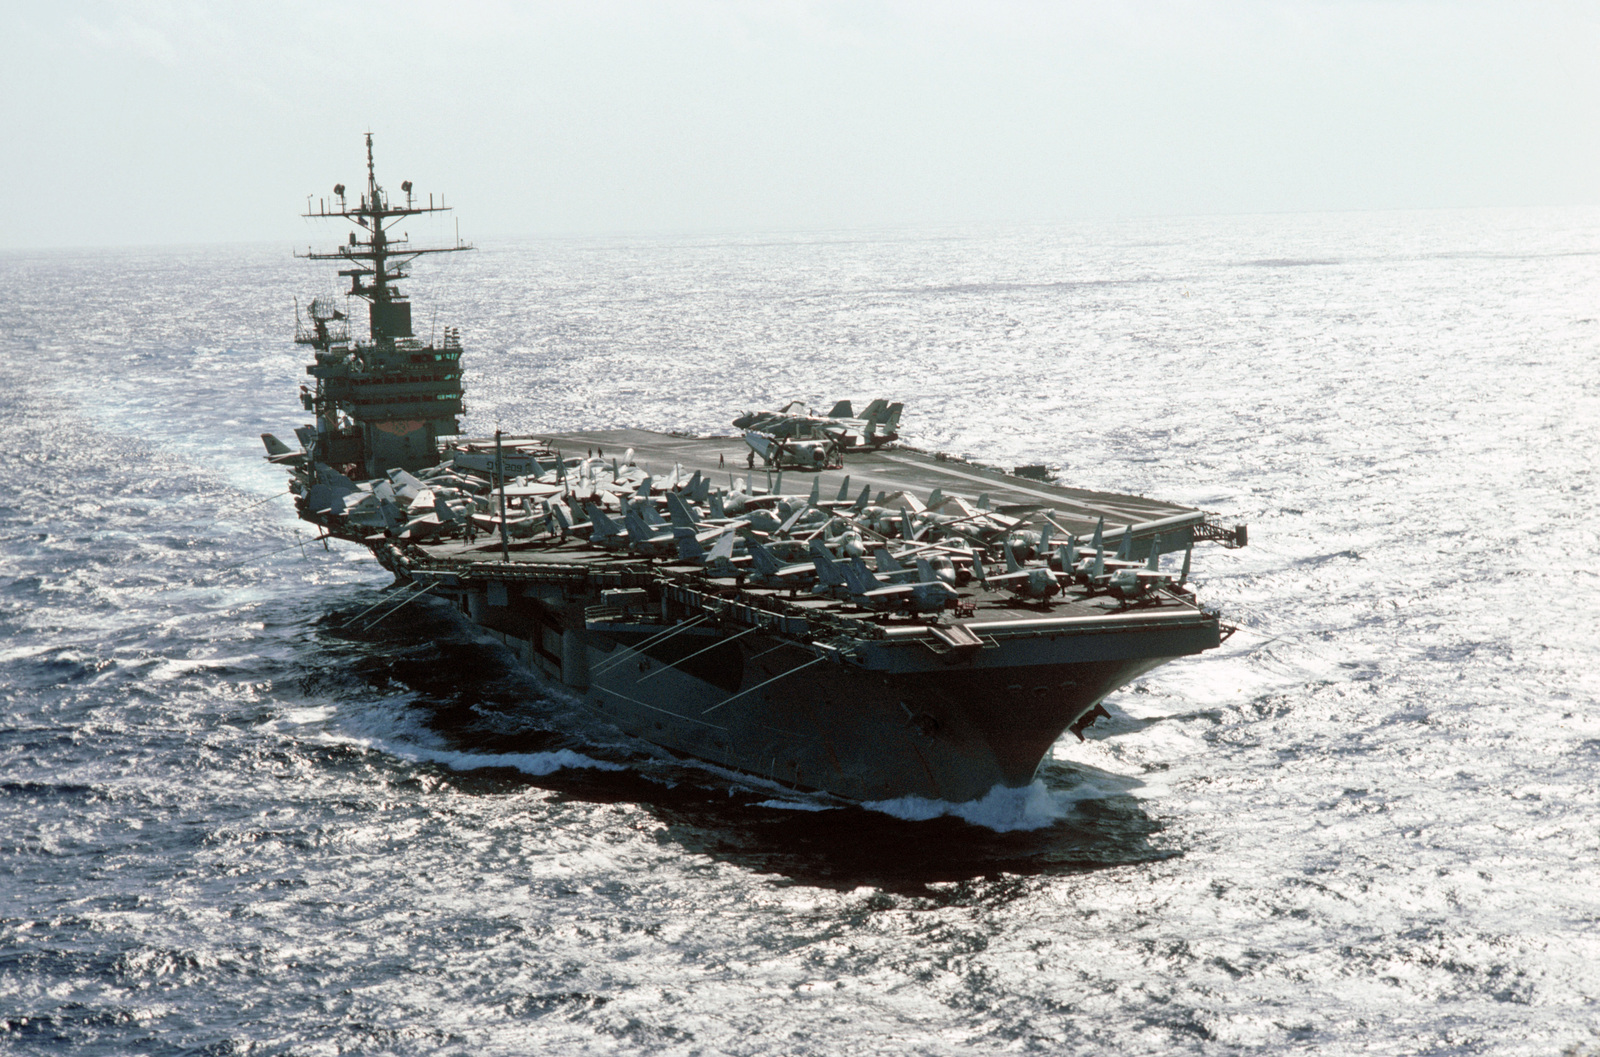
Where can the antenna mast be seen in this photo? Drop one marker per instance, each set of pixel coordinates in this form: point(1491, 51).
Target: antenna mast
point(378, 261)
point(383, 403)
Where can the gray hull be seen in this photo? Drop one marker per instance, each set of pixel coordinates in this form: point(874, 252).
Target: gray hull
point(889, 718)
point(814, 691)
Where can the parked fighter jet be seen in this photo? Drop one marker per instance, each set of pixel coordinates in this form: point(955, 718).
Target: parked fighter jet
point(841, 501)
point(923, 596)
point(428, 516)
point(725, 558)
point(840, 535)
point(876, 426)
point(279, 452)
point(1129, 583)
point(513, 460)
point(770, 571)
point(928, 563)
point(1036, 582)
point(830, 573)
point(649, 535)
point(519, 525)
point(603, 532)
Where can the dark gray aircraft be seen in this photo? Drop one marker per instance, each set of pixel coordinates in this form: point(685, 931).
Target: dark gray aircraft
point(877, 425)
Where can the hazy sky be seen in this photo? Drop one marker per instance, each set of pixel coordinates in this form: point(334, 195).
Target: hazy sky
point(177, 122)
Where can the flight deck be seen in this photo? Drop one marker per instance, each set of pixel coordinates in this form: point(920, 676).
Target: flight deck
point(886, 469)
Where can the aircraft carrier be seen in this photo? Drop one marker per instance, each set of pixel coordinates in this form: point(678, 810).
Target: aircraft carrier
point(819, 608)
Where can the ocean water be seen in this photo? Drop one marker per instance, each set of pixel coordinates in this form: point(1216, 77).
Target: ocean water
point(233, 821)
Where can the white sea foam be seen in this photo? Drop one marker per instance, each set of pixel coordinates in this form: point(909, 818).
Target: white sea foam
point(795, 805)
point(534, 763)
point(1003, 809)
point(307, 716)
point(382, 729)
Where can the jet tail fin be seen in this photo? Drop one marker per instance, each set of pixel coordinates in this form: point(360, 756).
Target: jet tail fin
point(682, 518)
point(841, 410)
point(759, 443)
point(828, 571)
point(274, 445)
point(764, 561)
point(638, 531)
point(603, 525)
point(722, 550)
point(858, 577)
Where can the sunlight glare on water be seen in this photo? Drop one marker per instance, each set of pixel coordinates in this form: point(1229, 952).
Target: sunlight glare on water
point(1367, 824)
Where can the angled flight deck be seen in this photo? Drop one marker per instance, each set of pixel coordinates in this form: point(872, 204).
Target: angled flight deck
point(885, 469)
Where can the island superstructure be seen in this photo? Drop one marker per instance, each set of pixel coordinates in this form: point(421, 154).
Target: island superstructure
point(904, 624)
point(382, 403)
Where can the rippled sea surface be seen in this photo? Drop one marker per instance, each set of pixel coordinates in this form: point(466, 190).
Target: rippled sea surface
point(231, 822)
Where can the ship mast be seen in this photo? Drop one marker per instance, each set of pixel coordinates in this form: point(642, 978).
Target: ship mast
point(381, 404)
point(379, 260)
